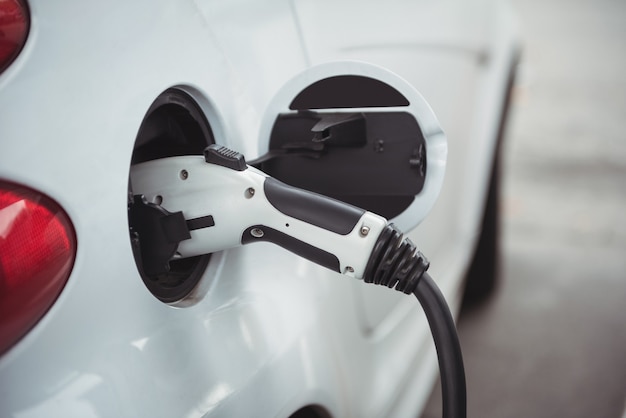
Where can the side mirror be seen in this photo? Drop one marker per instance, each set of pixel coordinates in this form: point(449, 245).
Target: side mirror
point(358, 133)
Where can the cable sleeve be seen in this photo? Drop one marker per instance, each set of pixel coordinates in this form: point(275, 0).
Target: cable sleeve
point(395, 261)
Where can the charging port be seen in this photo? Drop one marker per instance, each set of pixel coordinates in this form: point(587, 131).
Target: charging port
point(174, 125)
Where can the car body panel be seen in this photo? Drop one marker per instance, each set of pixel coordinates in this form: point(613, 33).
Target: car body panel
point(265, 333)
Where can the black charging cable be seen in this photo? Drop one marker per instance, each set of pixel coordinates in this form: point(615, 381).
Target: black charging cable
point(396, 262)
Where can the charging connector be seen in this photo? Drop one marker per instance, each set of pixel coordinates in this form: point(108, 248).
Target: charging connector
point(242, 206)
point(187, 206)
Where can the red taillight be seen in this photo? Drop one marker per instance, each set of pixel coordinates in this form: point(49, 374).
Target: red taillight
point(14, 24)
point(37, 250)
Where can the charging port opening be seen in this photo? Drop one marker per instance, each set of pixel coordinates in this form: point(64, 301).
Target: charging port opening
point(174, 125)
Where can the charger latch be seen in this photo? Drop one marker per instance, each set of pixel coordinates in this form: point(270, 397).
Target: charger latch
point(220, 155)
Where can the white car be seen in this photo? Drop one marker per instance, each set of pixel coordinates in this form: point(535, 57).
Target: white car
point(91, 90)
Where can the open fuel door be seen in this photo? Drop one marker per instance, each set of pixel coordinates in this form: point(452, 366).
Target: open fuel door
point(357, 133)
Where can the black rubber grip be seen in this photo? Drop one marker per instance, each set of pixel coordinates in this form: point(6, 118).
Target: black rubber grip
point(395, 261)
point(318, 256)
point(312, 208)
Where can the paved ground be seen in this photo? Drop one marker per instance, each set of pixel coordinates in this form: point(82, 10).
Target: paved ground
point(552, 341)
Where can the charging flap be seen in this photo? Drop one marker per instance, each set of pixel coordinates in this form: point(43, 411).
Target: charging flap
point(358, 133)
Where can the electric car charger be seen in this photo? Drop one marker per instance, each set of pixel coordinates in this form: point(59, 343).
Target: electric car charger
point(188, 206)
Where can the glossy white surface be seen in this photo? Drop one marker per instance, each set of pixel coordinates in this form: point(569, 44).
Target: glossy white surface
point(220, 192)
point(267, 333)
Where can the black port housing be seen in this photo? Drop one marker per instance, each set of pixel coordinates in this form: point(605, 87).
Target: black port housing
point(380, 166)
point(174, 125)
point(371, 154)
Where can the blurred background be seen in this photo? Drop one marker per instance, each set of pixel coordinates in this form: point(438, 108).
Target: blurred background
point(552, 340)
